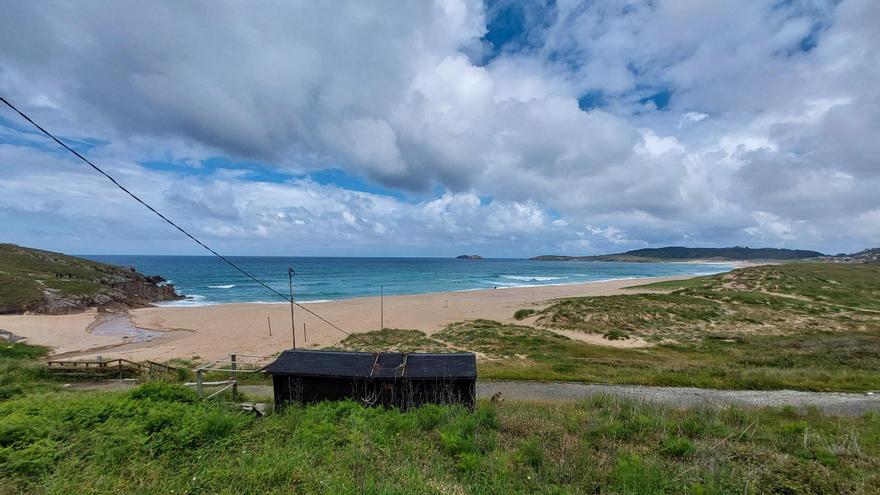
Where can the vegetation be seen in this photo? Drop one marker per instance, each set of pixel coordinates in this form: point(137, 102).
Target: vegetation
point(522, 314)
point(676, 253)
point(161, 439)
point(819, 361)
point(797, 326)
point(43, 281)
point(20, 371)
point(391, 339)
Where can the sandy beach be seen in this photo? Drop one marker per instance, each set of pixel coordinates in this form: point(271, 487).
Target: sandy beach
point(211, 332)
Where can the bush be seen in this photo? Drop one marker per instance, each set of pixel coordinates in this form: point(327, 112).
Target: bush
point(524, 313)
point(616, 335)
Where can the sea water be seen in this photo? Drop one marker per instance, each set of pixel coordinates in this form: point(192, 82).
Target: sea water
point(208, 280)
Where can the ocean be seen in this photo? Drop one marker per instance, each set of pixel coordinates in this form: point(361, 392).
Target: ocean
point(207, 280)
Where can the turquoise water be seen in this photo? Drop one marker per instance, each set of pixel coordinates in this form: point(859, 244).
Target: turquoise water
point(208, 280)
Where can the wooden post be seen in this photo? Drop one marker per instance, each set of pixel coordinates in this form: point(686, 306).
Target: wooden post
point(305, 336)
point(234, 376)
point(269, 321)
point(199, 382)
point(381, 307)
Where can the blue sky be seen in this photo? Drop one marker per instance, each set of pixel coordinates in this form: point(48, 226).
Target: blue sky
point(436, 128)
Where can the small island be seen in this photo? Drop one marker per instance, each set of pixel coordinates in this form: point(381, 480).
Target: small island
point(469, 257)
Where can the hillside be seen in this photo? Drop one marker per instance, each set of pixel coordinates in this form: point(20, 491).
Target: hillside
point(865, 256)
point(677, 253)
point(38, 281)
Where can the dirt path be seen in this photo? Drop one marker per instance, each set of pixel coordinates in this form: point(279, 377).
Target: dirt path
point(834, 403)
point(841, 404)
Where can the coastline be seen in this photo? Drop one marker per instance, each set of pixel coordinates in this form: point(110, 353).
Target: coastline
point(198, 300)
point(213, 331)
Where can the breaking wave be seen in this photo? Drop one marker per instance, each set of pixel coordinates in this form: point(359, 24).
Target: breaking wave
point(531, 278)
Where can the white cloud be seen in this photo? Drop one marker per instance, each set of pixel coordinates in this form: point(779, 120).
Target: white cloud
point(769, 134)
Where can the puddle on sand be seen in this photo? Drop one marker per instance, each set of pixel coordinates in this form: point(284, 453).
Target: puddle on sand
point(119, 325)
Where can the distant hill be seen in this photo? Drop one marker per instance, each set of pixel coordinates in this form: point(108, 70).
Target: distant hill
point(866, 256)
point(468, 257)
point(675, 253)
point(38, 281)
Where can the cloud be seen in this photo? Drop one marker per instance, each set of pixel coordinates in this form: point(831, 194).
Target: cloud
point(632, 122)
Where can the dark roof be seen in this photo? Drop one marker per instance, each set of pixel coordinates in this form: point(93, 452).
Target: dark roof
point(374, 364)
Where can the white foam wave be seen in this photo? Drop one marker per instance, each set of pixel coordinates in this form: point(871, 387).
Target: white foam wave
point(531, 278)
point(221, 286)
point(191, 300)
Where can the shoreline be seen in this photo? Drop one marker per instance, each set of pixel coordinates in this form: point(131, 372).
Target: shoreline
point(732, 264)
point(213, 331)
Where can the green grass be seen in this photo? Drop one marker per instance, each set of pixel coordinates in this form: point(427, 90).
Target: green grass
point(25, 273)
point(826, 283)
point(818, 361)
point(20, 371)
point(795, 298)
point(28, 275)
point(160, 439)
point(391, 339)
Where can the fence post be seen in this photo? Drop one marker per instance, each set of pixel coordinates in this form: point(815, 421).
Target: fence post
point(234, 376)
point(199, 382)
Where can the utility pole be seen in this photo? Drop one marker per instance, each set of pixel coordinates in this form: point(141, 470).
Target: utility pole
point(290, 287)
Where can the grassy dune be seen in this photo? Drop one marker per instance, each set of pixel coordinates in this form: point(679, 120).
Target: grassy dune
point(800, 326)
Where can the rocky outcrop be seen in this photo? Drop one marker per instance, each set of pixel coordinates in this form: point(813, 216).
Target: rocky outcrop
point(114, 296)
point(36, 281)
point(469, 257)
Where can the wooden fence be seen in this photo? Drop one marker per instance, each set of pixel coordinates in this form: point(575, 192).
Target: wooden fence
point(113, 368)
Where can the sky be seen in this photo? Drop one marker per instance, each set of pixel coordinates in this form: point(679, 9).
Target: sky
point(382, 128)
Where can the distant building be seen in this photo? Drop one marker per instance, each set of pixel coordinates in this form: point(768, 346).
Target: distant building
point(388, 379)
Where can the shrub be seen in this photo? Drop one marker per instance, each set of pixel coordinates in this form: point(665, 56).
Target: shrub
point(524, 313)
point(616, 335)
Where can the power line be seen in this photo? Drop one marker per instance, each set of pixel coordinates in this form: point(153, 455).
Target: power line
point(163, 217)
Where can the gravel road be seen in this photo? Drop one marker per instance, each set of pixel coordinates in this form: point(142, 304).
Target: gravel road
point(836, 403)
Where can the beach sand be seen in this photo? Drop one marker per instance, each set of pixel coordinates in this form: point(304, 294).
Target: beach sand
point(212, 332)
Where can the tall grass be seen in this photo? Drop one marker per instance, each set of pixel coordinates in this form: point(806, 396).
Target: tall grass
point(161, 439)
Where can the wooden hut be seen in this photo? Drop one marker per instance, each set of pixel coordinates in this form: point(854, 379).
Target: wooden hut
point(389, 379)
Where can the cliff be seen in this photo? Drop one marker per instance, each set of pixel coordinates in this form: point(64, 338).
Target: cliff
point(35, 281)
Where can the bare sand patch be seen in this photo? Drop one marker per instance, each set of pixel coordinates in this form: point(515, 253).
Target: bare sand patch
point(633, 342)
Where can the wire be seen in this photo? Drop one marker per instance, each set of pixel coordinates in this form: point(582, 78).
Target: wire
point(163, 217)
